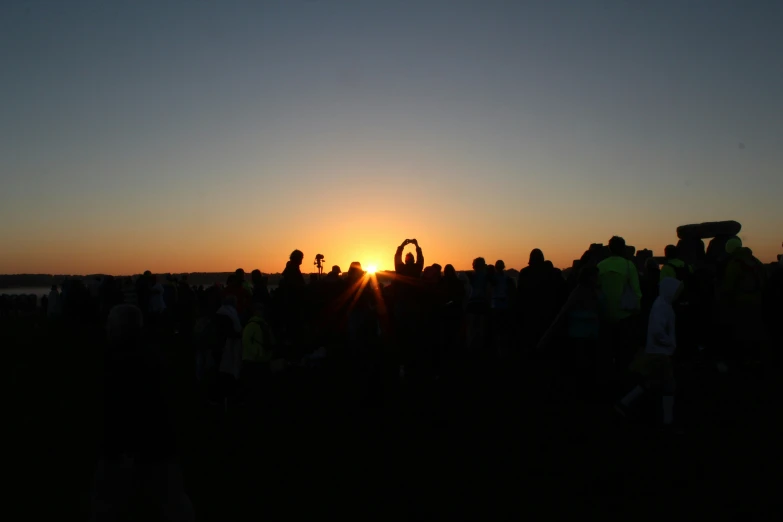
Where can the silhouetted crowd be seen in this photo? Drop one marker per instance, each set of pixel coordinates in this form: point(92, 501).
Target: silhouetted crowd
point(614, 326)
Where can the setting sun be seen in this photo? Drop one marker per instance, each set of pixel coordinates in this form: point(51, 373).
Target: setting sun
point(371, 269)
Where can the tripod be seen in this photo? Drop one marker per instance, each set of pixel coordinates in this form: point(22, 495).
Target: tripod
point(318, 263)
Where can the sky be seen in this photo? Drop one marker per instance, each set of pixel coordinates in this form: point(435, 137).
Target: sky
point(182, 136)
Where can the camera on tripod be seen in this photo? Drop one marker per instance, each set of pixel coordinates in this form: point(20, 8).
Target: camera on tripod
point(319, 260)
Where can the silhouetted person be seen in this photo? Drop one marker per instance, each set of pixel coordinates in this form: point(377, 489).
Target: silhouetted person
point(157, 304)
point(292, 275)
point(144, 290)
point(230, 329)
point(292, 294)
point(242, 296)
point(432, 273)
point(334, 275)
point(674, 266)
point(410, 268)
point(686, 306)
point(430, 319)
point(406, 307)
point(620, 286)
point(503, 291)
point(129, 293)
point(137, 476)
point(538, 291)
point(477, 310)
point(359, 302)
point(257, 352)
point(452, 295)
point(187, 306)
point(260, 287)
point(240, 273)
point(649, 286)
point(741, 300)
point(54, 305)
point(580, 317)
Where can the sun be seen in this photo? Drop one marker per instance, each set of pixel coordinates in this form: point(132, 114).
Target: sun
point(371, 269)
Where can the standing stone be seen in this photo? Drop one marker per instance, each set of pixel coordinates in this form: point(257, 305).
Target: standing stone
point(709, 229)
point(691, 250)
point(717, 248)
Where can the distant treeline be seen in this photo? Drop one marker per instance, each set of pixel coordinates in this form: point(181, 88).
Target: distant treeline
point(44, 280)
point(194, 278)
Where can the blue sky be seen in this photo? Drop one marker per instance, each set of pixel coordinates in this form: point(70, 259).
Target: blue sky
point(165, 134)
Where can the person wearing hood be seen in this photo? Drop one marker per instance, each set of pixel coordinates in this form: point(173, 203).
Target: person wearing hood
point(655, 363)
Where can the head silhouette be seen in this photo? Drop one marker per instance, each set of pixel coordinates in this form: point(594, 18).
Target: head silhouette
point(617, 246)
point(409, 259)
point(449, 271)
point(733, 244)
point(500, 265)
point(296, 257)
point(651, 268)
point(536, 257)
point(355, 271)
point(479, 264)
point(336, 270)
point(671, 252)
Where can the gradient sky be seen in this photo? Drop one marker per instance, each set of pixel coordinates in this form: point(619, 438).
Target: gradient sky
point(208, 135)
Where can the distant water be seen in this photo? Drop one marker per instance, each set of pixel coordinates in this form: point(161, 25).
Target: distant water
point(39, 291)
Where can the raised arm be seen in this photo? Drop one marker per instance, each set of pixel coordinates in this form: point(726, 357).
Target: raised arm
point(398, 256)
point(419, 257)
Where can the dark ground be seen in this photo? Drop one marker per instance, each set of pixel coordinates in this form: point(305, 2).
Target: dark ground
point(481, 447)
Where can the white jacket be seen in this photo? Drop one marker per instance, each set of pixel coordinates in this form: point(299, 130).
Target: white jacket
point(661, 338)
